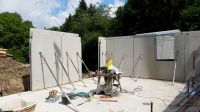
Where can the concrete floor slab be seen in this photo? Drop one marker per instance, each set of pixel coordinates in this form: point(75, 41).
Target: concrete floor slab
point(136, 97)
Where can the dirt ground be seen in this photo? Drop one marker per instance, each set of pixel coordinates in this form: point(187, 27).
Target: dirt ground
point(11, 73)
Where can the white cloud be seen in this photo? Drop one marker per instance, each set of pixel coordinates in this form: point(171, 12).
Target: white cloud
point(113, 7)
point(71, 7)
point(40, 12)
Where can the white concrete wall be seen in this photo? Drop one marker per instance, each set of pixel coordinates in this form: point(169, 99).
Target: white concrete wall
point(49, 43)
point(185, 43)
point(147, 67)
point(150, 67)
point(180, 47)
point(120, 46)
point(102, 42)
point(192, 42)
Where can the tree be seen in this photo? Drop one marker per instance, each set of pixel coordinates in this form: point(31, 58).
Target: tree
point(190, 17)
point(139, 16)
point(90, 23)
point(66, 27)
point(54, 28)
point(82, 6)
point(14, 35)
point(136, 16)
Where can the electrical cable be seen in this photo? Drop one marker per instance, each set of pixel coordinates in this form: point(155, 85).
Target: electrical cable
point(139, 89)
point(154, 98)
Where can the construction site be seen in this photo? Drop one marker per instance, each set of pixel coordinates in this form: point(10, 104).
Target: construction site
point(149, 72)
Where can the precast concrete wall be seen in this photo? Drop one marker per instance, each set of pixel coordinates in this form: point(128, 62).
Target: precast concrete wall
point(121, 49)
point(192, 43)
point(148, 66)
point(147, 62)
point(50, 43)
point(102, 53)
point(179, 48)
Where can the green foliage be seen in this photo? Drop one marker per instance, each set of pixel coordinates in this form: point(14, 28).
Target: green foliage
point(190, 17)
point(139, 16)
point(82, 6)
point(90, 23)
point(54, 28)
point(136, 16)
point(14, 35)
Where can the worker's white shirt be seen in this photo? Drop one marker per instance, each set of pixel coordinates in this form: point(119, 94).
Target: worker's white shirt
point(115, 69)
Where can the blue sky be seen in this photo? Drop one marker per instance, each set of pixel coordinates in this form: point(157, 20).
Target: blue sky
point(48, 13)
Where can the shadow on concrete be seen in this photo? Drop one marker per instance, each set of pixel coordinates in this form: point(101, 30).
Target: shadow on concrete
point(57, 53)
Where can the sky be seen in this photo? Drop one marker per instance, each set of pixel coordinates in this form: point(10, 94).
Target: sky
point(48, 13)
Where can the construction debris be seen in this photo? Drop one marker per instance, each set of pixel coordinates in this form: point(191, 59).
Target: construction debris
point(4, 54)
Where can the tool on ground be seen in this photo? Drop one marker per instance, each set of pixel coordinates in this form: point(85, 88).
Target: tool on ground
point(85, 66)
point(53, 97)
point(75, 69)
point(82, 94)
point(67, 74)
point(105, 96)
point(63, 93)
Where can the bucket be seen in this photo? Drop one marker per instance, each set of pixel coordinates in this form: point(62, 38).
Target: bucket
point(65, 101)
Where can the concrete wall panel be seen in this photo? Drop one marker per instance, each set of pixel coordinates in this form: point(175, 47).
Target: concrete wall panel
point(185, 43)
point(120, 46)
point(180, 48)
point(72, 45)
point(49, 43)
point(102, 41)
point(192, 42)
point(150, 67)
point(145, 45)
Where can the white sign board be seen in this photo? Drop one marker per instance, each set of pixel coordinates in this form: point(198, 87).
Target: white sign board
point(165, 47)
